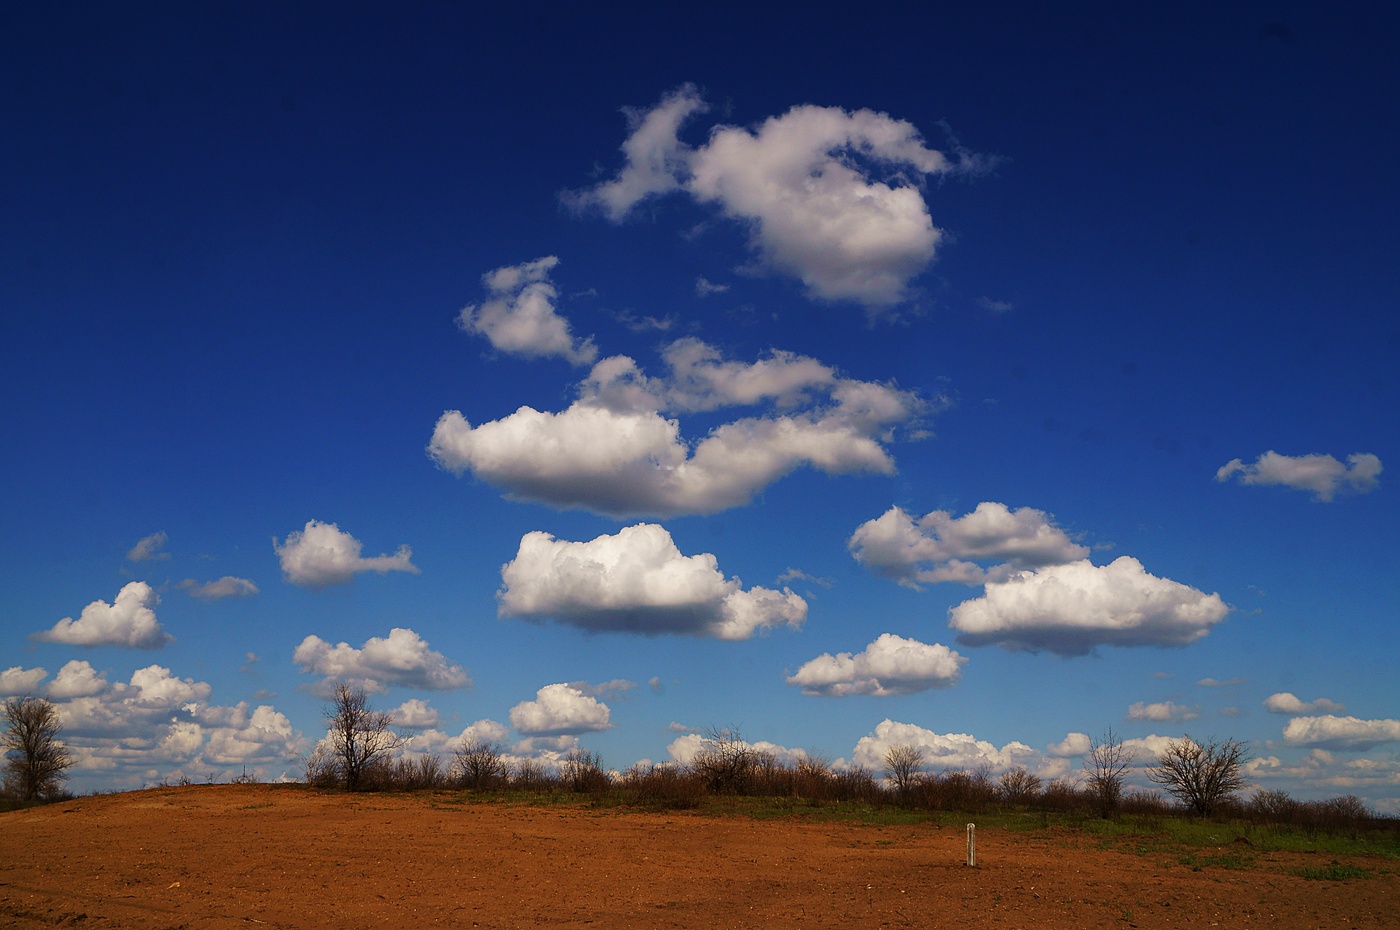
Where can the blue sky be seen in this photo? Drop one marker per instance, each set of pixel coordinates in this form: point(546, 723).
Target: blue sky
point(980, 380)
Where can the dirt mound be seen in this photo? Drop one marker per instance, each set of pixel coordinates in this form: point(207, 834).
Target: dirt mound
point(280, 856)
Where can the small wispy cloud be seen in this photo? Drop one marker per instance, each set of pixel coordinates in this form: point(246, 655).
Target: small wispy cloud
point(149, 549)
point(704, 287)
point(1323, 475)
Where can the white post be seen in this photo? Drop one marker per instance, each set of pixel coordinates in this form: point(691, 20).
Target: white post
point(972, 844)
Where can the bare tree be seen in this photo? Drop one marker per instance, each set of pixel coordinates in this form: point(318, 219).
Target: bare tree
point(1018, 785)
point(1106, 762)
point(903, 766)
point(478, 763)
point(1201, 776)
point(359, 736)
point(36, 763)
point(725, 762)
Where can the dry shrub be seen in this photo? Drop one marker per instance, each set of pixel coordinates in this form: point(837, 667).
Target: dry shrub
point(726, 764)
point(582, 772)
point(321, 768)
point(1145, 803)
point(477, 764)
point(421, 773)
point(529, 775)
point(855, 785)
point(1018, 787)
point(1064, 796)
point(956, 790)
point(663, 786)
point(811, 778)
point(1274, 806)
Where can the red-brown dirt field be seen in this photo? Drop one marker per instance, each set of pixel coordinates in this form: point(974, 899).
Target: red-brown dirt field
point(280, 856)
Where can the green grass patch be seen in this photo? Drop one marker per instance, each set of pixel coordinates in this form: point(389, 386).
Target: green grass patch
point(1333, 872)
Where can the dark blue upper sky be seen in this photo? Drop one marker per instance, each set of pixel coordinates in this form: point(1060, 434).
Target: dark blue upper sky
point(235, 240)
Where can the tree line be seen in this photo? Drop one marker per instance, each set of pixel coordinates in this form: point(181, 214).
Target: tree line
point(1205, 779)
point(361, 752)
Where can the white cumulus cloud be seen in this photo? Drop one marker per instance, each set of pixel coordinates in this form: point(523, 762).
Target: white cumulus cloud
point(130, 620)
point(402, 659)
point(77, 678)
point(155, 688)
point(264, 735)
point(218, 589)
point(560, 710)
point(637, 581)
point(1323, 475)
point(1329, 731)
point(1161, 711)
point(941, 750)
point(415, 714)
point(889, 665)
point(519, 315)
point(829, 196)
point(618, 449)
point(1070, 609)
point(18, 680)
point(1286, 702)
point(433, 740)
point(161, 725)
point(684, 749)
point(940, 547)
point(321, 554)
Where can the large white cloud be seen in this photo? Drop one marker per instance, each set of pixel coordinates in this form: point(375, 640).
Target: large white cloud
point(615, 450)
point(637, 581)
point(827, 195)
point(940, 547)
point(130, 620)
point(889, 665)
point(941, 750)
point(321, 554)
point(1332, 732)
point(1323, 475)
point(402, 659)
point(1070, 609)
point(1286, 702)
point(560, 710)
point(519, 315)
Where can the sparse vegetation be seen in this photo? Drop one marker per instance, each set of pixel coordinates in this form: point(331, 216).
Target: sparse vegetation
point(1106, 764)
point(1333, 872)
point(729, 776)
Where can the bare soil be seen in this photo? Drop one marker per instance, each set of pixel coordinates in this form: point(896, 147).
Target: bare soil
point(280, 856)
